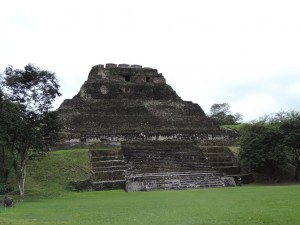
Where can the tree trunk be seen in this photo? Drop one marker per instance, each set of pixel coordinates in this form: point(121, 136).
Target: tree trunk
point(297, 163)
point(297, 171)
point(22, 175)
point(2, 168)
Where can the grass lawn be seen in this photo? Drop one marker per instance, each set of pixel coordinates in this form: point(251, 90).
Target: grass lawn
point(49, 200)
point(247, 205)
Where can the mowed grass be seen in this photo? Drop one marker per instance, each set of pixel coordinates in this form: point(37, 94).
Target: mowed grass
point(50, 200)
point(249, 205)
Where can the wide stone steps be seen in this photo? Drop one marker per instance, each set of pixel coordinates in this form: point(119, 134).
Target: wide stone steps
point(170, 174)
point(108, 164)
point(108, 185)
point(167, 165)
point(169, 181)
point(161, 166)
point(108, 169)
point(222, 159)
point(103, 158)
point(221, 164)
point(108, 175)
point(228, 170)
point(145, 158)
point(166, 170)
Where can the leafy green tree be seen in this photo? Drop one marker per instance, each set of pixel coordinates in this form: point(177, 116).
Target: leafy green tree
point(4, 156)
point(272, 143)
point(221, 113)
point(290, 126)
point(27, 122)
point(262, 149)
point(4, 167)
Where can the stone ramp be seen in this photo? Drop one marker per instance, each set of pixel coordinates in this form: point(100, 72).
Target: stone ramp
point(107, 169)
point(167, 165)
point(222, 159)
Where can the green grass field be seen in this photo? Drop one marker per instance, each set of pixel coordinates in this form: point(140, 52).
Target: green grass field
point(50, 201)
point(249, 205)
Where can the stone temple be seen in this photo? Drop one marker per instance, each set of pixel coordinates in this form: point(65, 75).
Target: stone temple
point(121, 103)
point(167, 143)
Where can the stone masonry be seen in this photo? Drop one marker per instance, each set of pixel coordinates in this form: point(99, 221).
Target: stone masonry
point(166, 143)
point(167, 165)
point(123, 103)
point(152, 165)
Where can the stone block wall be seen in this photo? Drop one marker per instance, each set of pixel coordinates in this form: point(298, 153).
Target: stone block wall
point(125, 72)
point(113, 121)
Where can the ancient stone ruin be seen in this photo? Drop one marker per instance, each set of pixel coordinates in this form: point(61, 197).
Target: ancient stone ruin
point(162, 165)
point(167, 165)
point(121, 103)
point(166, 143)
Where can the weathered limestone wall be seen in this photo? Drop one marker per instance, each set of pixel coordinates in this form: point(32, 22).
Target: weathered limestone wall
point(113, 121)
point(127, 73)
point(125, 82)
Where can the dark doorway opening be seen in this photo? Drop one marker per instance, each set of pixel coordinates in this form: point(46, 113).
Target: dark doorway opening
point(127, 78)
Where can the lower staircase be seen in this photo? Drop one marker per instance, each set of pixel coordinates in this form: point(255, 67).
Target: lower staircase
point(108, 169)
point(167, 165)
point(221, 159)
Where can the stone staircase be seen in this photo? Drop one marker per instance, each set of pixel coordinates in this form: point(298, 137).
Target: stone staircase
point(107, 169)
point(167, 165)
point(222, 159)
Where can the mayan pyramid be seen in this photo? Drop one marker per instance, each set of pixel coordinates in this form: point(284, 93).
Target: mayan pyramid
point(124, 103)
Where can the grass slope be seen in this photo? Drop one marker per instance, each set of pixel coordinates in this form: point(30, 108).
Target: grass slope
point(51, 175)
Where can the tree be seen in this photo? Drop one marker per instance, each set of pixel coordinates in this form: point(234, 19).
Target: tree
point(4, 161)
point(221, 113)
point(4, 156)
point(262, 149)
point(27, 122)
point(290, 125)
point(272, 142)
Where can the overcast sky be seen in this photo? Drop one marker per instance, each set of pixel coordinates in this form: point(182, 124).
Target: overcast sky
point(242, 52)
